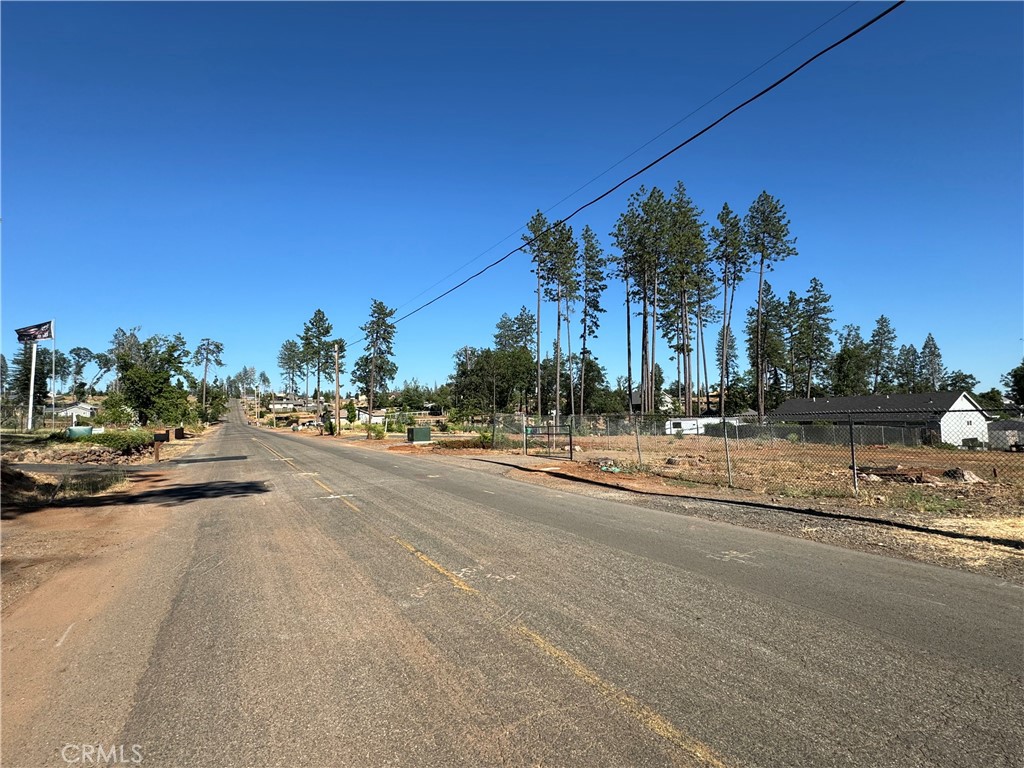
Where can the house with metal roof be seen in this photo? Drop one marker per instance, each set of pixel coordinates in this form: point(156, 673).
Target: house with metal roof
point(948, 417)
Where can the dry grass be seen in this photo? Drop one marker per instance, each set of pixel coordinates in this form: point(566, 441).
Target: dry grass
point(780, 468)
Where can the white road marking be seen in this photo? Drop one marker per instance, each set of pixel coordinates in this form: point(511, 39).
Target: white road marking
point(732, 556)
point(490, 492)
point(64, 636)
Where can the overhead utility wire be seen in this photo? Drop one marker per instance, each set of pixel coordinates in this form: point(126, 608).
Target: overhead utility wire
point(672, 151)
point(646, 144)
point(706, 103)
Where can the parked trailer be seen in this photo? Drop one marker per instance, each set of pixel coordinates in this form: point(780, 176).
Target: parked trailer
point(690, 425)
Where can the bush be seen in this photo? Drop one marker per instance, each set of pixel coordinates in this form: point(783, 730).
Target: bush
point(125, 442)
point(375, 431)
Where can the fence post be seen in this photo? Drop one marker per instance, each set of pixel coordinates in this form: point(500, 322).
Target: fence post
point(853, 458)
point(728, 459)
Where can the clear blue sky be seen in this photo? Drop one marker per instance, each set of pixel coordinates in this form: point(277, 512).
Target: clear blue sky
point(224, 169)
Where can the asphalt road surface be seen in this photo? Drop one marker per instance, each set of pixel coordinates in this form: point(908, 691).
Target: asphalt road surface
point(308, 602)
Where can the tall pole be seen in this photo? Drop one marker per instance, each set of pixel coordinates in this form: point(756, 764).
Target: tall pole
point(32, 388)
point(540, 413)
point(337, 391)
point(53, 373)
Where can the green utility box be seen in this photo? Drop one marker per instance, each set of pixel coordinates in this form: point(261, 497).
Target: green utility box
point(418, 435)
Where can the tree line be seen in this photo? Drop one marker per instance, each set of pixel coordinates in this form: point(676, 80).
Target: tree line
point(152, 378)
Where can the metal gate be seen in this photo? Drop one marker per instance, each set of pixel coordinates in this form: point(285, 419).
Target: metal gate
point(551, 436)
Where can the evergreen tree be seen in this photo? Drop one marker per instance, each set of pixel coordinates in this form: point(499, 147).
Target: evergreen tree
point(290, 363)
point(318, 349)
point(375, 369)
point(766, 230)
point(516, 332)
point(931, 371)
point(815, 335)
point(958, 381)
point(686, 254)
point(731, 254)
point(22, 375)
point(730, 372)
point(771, 355)
point(592, 285)
point(852, 367)
point(906, 370)
point(538, 243)
point(882, 355)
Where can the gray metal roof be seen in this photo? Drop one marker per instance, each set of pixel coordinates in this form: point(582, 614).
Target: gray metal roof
point(912, 407)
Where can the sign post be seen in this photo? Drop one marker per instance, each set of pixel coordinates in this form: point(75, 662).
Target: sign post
point(34, 334)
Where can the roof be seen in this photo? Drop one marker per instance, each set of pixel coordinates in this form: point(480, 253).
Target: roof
point(873, 407)
point(72, 406)
point(1006, 425)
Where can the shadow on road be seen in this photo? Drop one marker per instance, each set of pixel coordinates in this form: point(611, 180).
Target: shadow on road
point(174, 495)
point(206, 460)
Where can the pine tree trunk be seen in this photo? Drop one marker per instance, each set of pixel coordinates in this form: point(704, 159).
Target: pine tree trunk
point(629, 350)
point(758, 351)
point(540, 412)
point(688, 363)
point(558, 358)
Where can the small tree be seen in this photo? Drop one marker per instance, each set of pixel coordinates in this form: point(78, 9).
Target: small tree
point(1013, 380)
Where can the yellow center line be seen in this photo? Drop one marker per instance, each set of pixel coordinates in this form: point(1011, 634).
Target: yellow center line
point(325, 487)
point(292, 464)
point(438, 567)
point(628, 704)
point(636, 709)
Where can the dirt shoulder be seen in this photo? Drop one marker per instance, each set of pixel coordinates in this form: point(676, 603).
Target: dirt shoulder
point(987, 540)
point(44, 533)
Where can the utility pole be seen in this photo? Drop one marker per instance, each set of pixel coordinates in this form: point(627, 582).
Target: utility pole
point(337, 391)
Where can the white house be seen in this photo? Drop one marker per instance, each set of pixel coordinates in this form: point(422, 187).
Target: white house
point(948, 417)
point(378, 415)
point(73, 411)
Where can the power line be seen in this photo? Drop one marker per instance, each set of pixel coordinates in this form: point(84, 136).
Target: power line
point(664, 156)
point(646, 144)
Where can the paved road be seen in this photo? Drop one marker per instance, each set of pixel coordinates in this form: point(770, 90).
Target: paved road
point(312, 603)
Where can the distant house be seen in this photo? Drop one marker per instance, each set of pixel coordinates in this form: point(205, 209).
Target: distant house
point(285, 405)
point(378, 415)
point(72, 411)
point(948, 417)
point(1006, 434)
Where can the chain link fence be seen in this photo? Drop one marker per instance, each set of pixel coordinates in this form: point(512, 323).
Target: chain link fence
point(924, 459)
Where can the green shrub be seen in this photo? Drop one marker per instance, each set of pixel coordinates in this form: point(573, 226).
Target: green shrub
point(125, 442)
point(375, 431)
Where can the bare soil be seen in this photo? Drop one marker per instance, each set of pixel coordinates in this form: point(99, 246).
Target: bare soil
point(42, 534)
